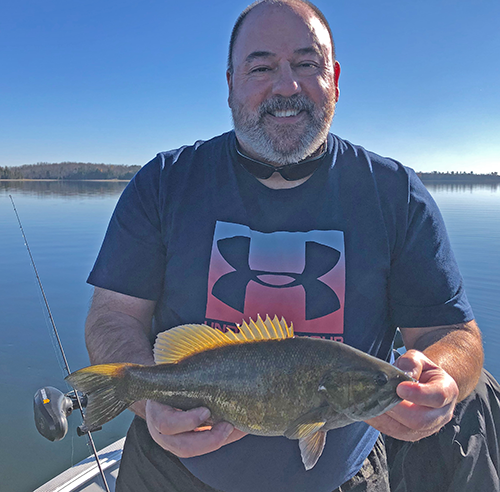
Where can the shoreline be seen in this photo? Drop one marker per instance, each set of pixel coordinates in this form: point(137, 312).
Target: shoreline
point(68, 180)
point(478, 179)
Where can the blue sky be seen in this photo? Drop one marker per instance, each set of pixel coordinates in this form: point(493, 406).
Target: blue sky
point(118, 81)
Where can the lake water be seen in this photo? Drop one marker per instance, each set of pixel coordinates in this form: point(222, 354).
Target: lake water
point(65, 224)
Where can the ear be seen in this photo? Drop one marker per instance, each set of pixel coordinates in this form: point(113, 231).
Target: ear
point(229, 79)
point(336, 77)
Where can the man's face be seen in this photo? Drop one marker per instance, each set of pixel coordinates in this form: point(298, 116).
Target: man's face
point(284, 85)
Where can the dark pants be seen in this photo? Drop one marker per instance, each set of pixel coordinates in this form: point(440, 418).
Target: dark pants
point(144, 469)
point(463, 457)
point(373, 476)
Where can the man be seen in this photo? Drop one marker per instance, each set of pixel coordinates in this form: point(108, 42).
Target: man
point(344, 243)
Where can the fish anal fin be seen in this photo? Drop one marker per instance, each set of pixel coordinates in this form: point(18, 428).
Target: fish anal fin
point(311, 448)
point(183, 341)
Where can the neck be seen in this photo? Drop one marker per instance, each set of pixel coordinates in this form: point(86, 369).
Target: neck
point(247, 151)
point(276, 180)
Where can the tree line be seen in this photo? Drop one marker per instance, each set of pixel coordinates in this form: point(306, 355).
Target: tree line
point(69, 170)
point(88, 171)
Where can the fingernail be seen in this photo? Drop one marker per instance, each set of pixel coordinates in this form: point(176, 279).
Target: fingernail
point(407, 367)
point(204, 414)
point(405, 364)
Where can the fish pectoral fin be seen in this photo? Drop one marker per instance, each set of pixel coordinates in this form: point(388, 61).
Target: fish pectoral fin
point(311, 448)
point(306, 424)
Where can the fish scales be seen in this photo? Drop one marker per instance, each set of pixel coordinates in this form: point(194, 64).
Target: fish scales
point(260, 386)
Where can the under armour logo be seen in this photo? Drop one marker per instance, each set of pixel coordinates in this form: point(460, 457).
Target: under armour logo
point(321, 300)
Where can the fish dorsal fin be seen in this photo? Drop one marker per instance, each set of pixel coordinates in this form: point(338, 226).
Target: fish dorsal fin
point(173, 345)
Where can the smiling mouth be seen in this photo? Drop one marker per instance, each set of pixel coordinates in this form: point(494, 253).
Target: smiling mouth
point(285, 113)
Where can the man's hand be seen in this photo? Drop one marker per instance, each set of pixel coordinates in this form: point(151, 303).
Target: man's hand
point(426, 406)
point(179, 432)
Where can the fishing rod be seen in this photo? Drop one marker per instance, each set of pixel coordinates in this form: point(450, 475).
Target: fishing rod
point(51, 420)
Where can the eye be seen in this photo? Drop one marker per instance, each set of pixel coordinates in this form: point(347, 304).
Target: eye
point(307, 68)
point(258, 70)
point(381, 378)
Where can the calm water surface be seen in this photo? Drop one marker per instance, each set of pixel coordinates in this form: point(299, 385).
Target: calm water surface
point(65, 224)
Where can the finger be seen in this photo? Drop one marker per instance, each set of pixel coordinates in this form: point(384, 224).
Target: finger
point(189, 444)
point(409, 365)
point(417, 417)
point(414, 363)
point(391, 427)
point(436, 394)
point(170, 421)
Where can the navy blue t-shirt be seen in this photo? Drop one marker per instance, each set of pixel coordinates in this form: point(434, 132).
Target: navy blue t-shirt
point(357, 250)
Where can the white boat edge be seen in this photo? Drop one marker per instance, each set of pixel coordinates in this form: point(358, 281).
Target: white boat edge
point(85, 476)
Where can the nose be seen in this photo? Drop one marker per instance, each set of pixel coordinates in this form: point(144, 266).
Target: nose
point(286, 82)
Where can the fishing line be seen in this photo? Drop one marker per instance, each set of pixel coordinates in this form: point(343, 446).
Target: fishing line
point(59, 343)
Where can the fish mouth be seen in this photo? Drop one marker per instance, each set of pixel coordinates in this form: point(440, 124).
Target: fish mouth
point(409, 377)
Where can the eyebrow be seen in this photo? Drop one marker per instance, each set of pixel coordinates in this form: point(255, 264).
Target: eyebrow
point(269, 54)
point(259, 54)
point(308, 51)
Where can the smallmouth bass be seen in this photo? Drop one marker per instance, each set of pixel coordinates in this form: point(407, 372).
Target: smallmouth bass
point(262, 380)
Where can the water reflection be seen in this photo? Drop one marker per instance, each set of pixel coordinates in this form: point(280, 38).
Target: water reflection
point(462, 187)
point(65, 233)
point(111, 187)
point(66, 188)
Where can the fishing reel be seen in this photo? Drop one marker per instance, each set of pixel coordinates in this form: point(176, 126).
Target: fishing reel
point(52, 409)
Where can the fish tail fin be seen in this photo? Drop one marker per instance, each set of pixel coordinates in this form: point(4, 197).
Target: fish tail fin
point(106, 388)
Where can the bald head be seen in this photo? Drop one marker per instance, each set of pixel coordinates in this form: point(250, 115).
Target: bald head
point(303, 5)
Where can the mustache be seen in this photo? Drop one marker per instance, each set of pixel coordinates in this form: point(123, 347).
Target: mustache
point(297, 102)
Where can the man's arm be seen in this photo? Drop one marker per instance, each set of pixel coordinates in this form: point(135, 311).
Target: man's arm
point(457, 349)
point(447, 361)
point(117, 330)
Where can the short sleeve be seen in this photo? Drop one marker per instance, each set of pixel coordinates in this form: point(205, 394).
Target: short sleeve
point(425, 284)
point(132, 257)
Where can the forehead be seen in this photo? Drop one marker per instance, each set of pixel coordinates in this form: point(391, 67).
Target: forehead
point(280, 29)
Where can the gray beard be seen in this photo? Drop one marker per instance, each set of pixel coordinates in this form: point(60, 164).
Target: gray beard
point(282, 144)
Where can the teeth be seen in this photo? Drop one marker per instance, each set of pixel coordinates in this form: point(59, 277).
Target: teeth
point(285, 113)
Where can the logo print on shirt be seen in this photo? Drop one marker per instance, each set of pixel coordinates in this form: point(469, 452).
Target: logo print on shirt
point(297, 275)
point(319, 260)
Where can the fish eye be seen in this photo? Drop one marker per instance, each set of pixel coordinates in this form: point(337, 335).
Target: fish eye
point(381, 378)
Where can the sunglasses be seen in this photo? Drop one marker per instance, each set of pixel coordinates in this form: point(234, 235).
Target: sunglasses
point(290, 172)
